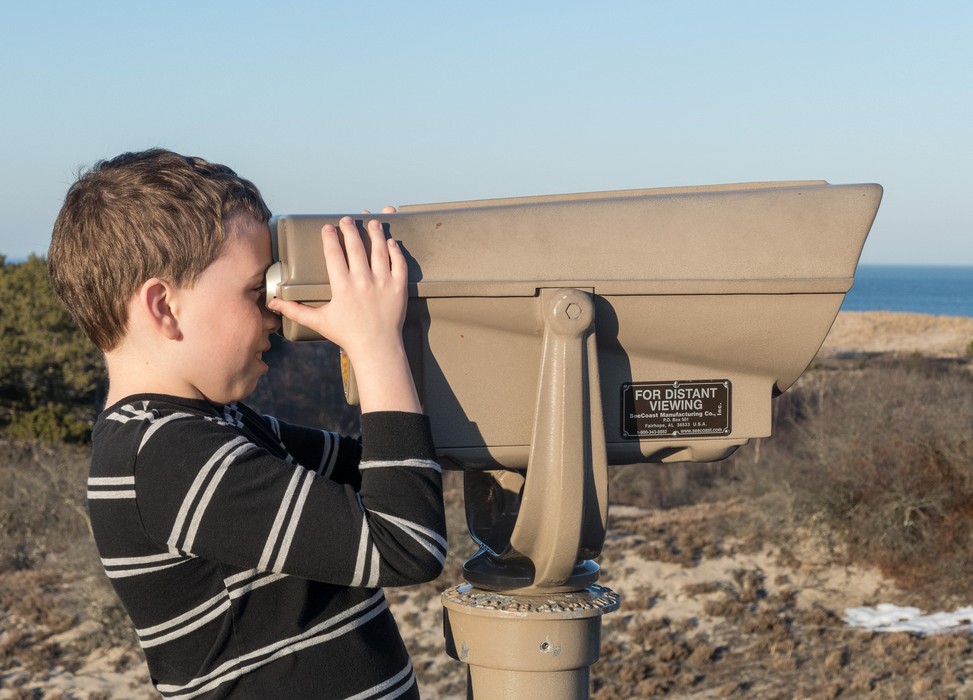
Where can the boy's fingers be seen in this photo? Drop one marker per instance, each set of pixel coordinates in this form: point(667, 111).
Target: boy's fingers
point(334, 254)
point(293, 310)
point(354, 248)
point(397, 261)
point(380, 251)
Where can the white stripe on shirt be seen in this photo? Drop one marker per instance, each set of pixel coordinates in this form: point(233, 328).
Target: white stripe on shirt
point(201, 614)
point(201, 477)
point(422, 535)
point(385, 685)
point(285, 545)
point(329, 454)
point(360, 615)
point(156, 424)
point(363, 543)
point(210, 490)
point(126, 567)
point(421, 463)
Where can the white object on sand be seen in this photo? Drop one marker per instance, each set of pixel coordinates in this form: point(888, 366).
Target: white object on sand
point(893, 618)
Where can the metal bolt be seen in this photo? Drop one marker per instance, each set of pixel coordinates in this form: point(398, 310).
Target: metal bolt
point(573, 311)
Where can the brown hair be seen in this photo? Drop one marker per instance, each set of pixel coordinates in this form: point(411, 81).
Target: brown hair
point(138, 216)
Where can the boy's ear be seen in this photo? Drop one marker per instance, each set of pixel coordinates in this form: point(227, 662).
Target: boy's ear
point(153, 300)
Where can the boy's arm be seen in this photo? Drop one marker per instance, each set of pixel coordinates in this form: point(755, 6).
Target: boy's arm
point(325, 452)
point(221, 497)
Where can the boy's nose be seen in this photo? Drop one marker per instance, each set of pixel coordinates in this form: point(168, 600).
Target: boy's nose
point(271, 320)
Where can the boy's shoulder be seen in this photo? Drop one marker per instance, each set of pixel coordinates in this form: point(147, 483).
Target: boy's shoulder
point(176, 423)
point(149, 408)
point(163, 430)
point(146, 414)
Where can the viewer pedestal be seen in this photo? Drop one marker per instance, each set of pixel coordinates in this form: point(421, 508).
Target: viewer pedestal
point(526, 647)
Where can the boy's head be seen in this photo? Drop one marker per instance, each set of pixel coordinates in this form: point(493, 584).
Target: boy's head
point(135, 217)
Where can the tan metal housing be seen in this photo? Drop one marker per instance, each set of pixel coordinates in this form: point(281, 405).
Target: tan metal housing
point(734, 282)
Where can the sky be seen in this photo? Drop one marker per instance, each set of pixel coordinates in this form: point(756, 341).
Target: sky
point(337, 107)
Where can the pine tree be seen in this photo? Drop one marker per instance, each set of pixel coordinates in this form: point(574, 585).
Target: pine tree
point(52, 378)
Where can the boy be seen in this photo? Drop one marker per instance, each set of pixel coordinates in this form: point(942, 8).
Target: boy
point(248, 553)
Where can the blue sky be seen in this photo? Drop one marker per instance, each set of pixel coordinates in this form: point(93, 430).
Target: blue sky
point(334, 107)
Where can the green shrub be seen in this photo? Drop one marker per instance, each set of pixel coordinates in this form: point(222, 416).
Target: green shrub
point(52, 379)
point(50, 423)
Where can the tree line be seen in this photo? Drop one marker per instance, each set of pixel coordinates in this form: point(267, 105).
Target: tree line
point(52, 378)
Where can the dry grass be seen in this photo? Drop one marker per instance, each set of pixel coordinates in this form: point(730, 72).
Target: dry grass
point(879, 455)
point(56, 605)
point(41, 501)
point(874, 453)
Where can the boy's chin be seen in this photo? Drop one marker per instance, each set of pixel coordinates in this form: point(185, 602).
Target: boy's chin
point(247, 391)
point(232, 394)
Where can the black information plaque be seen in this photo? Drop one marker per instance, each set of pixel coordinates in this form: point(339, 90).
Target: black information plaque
point(690, 408)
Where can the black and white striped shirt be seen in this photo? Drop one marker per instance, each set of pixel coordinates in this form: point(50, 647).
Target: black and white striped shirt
point(250, 553)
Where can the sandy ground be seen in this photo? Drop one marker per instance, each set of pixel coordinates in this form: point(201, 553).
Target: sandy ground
point(703, 614)
point(888, 332)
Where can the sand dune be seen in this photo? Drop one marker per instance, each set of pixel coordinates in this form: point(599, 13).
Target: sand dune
point(893, 332)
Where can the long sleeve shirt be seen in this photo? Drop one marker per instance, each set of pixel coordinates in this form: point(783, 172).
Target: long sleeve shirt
point(250, 554)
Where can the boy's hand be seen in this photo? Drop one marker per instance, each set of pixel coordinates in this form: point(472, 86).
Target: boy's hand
point(365, 314)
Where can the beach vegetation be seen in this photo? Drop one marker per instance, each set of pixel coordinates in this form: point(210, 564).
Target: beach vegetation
point(52, 379)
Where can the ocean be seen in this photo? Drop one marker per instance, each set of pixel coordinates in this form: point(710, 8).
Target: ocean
point(936, 290)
